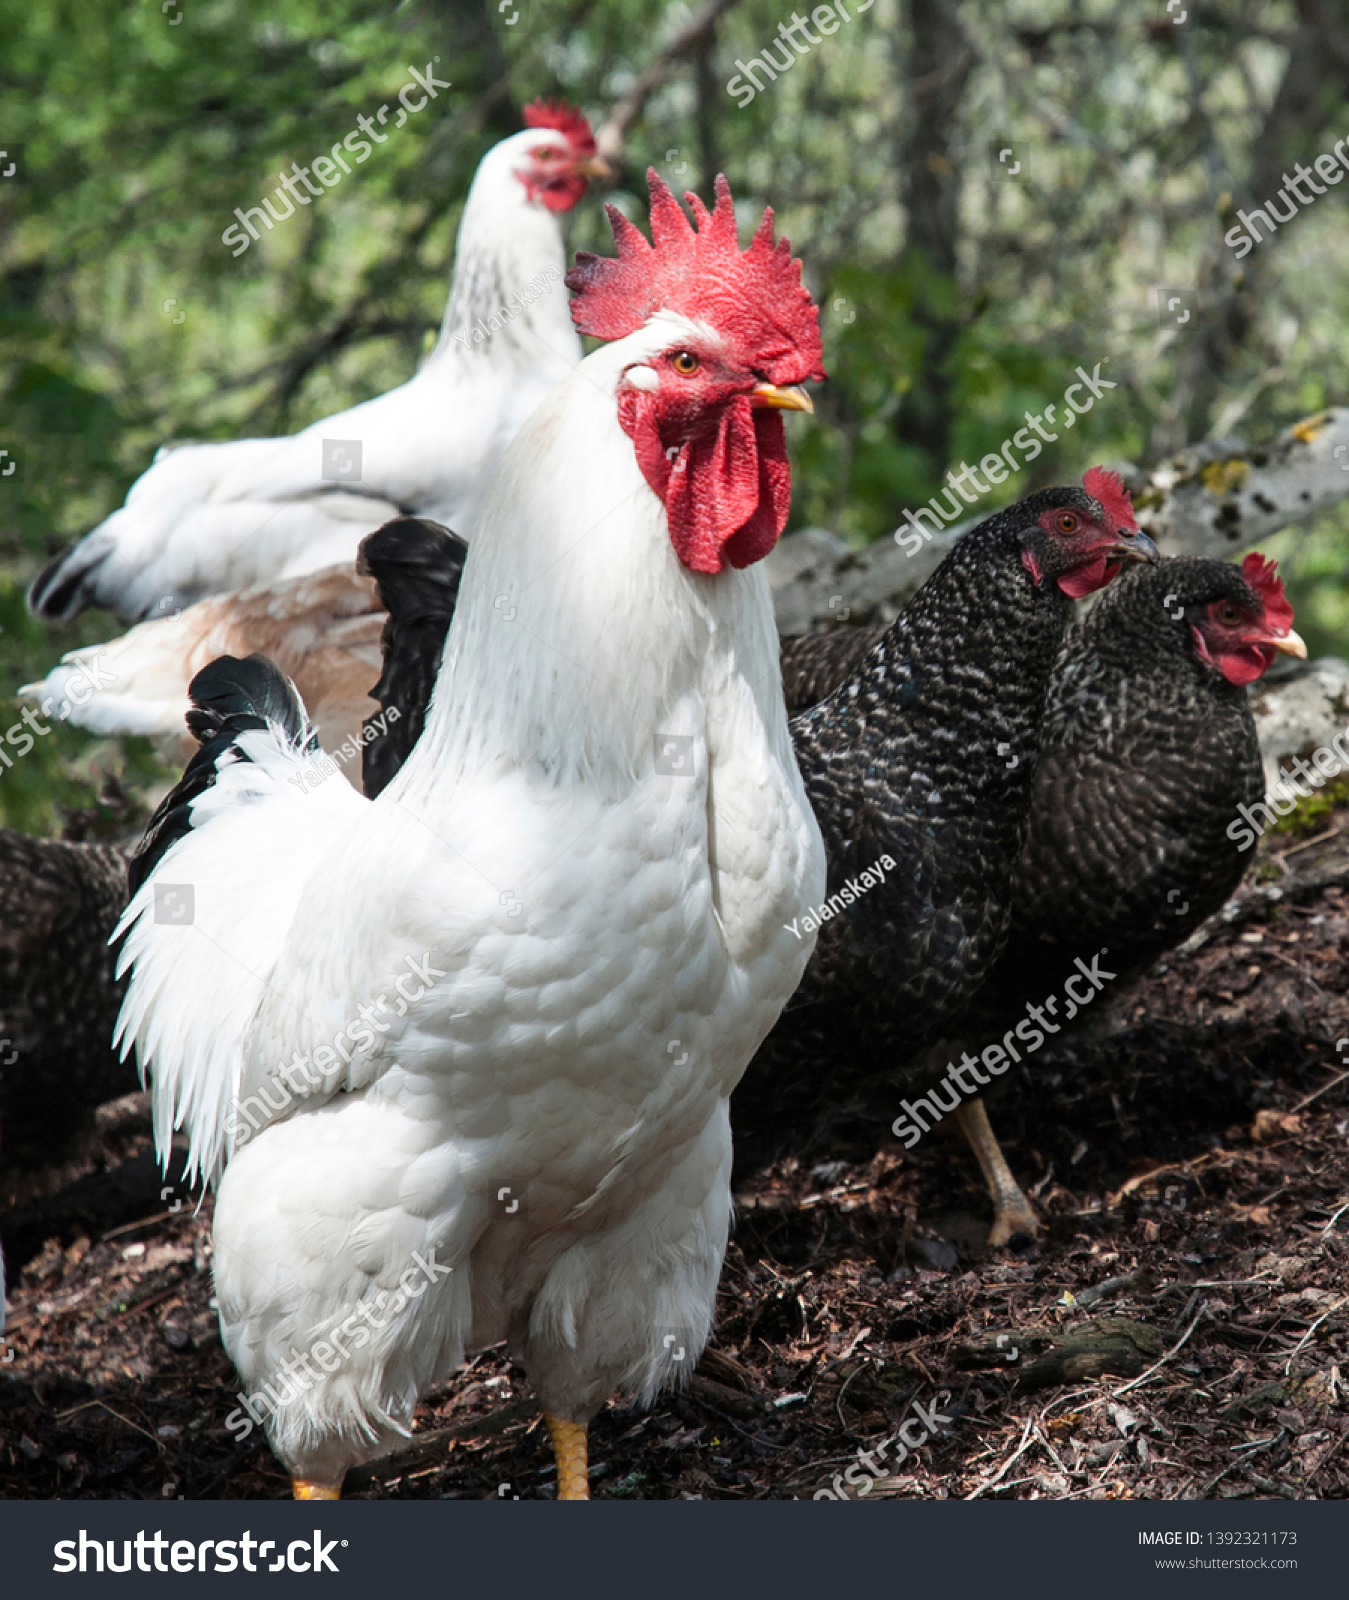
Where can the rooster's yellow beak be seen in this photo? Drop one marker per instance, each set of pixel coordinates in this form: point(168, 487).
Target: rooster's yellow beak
point(794, 398)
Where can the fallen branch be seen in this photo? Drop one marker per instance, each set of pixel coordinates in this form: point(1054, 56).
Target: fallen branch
point(430, 1446)
point(1316, 1093)
point(1088, 1349)
point(1342, 1301)
point(719, 1397)
point(1139, 1279)
point(1213, 499)
point(1027, 1439)
point(1170, 1354)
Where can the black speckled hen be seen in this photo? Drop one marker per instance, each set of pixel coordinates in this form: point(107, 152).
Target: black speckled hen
point(922, 760)
point(1148, 750)
point(59, 901)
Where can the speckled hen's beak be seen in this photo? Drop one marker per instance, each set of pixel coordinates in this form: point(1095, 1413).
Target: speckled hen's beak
point(1137, 547)
point(1288, 644)
point(794, 398)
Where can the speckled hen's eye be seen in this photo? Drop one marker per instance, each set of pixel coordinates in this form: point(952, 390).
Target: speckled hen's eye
point(1229, 616)
point(1067, 522)
point(686, 364)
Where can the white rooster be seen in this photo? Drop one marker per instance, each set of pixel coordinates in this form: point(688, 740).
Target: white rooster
point(208, 518)
point(464, 1052)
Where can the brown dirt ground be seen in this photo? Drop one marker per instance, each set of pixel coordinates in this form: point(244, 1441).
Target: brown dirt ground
point(1192, 1162)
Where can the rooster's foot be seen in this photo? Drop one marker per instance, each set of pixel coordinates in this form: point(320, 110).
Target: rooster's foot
point(569, 1446)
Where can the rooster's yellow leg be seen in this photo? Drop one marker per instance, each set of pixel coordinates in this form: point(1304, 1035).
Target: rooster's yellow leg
point(305, 1489)
point(569, 1446)
point(1012, 1212)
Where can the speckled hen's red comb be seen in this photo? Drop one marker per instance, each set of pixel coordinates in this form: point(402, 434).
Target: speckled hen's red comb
point(570, 120)
point(1263, 577)
point(754, 297)
point(1108, 488)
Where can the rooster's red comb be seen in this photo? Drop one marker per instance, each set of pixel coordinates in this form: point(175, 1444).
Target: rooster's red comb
point(754, 296)
point(1263, 577)
point(1108, 488)
point(570, 120)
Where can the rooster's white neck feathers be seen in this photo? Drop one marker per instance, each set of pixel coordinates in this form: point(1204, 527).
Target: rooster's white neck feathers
point(579, 636)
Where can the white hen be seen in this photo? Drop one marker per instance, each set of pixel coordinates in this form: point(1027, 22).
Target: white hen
point(545, 954)
point(207, 518)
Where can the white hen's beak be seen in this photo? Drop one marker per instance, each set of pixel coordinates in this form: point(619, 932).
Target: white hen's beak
point(595, 167)
point(794, 398)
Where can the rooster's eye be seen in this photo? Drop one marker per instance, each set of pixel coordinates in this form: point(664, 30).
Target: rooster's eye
point(685, 364)
point(543, 153)
point(1067, 522)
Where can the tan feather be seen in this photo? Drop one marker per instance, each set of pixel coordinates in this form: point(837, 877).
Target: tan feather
point(322, 630)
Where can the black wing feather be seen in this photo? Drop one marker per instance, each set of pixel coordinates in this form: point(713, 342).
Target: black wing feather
point(416, 565)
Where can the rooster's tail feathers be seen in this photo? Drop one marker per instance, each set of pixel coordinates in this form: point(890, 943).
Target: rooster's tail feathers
point(215, 886)
point(230, 698)
point(416, 564)
point(229, 695)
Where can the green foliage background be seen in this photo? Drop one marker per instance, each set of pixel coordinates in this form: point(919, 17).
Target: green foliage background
point(952, 301)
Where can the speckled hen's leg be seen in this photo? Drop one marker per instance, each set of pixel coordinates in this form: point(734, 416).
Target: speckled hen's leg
point(1012, 1213)
point(569, 1446)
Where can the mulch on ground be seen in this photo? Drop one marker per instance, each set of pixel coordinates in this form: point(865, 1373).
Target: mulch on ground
point(1181, 1330)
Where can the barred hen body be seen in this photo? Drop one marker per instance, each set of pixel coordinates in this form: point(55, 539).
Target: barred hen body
point(1135, 835)
point(59, 901)
point(924, 756)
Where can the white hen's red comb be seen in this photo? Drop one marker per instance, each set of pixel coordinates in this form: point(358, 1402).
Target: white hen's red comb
point(1108, 488)
point(1263, 577)
point(570, 120)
